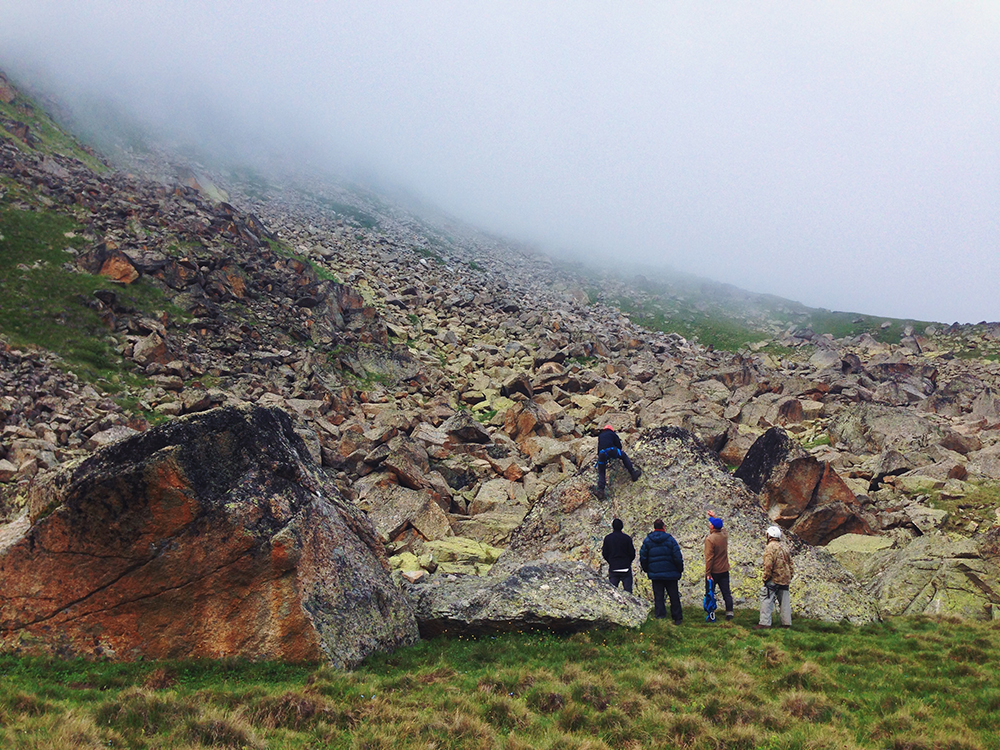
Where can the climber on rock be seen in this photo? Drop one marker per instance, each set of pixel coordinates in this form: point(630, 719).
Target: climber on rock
point(609, 446)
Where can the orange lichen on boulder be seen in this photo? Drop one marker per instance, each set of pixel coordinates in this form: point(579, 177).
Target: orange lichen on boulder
point(208, 537)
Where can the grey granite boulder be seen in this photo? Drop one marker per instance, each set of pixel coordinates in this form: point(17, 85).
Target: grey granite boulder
point(935, 575)
point(867, 428)
point(560, 597)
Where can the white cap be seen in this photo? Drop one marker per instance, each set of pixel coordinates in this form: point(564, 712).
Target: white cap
point(774, 531)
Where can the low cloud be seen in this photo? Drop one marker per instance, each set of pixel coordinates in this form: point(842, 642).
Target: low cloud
point(844, 155)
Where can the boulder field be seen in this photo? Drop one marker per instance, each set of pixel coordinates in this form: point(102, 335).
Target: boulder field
point(681, 481)
point(448, 386)
point(211, 536)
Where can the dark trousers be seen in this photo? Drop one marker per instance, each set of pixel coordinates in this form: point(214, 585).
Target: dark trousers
point(602, 469)
point(675, 599)
point(625, 578)
point(727, 596)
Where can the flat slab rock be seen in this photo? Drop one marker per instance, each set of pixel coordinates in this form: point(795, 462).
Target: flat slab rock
point(559, 597)
point(936, 575)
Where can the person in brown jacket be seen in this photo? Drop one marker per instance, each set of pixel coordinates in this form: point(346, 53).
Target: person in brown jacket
point(717, 561)
point(777, 575)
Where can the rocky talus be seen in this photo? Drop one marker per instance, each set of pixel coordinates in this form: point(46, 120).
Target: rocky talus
point(451, 384)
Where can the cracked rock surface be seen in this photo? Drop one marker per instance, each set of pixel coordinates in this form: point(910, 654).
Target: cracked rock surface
point(211, 536)
point(562, 597)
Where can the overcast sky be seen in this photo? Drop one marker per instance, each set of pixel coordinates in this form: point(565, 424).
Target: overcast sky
point(845, 155)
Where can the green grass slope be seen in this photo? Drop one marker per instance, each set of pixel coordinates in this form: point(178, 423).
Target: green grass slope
point(44, 304)
point(47, 136)
point(726, 317)
point(913, 684)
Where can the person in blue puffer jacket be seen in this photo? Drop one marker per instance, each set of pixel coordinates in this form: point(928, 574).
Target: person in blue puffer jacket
point(661, 559)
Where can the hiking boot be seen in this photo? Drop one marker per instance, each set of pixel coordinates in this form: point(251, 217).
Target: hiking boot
point(598, 492)
point(729, 615)
point(636, 474)
point(761, 627)
point(678, 622)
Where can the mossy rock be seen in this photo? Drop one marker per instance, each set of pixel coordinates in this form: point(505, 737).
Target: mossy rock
point(681, 481)
point(559, 597)
point(934, 575)
point(405, 562)
point(459, 549)
point(918, 485)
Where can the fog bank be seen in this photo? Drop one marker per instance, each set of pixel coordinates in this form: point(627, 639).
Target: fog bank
point(845, 155)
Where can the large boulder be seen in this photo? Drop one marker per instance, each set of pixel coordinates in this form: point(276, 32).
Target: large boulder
point(694, 416)
point(524, 418)
point(854, 551)
point(458, 554)
point(681, 480)
point(544, 450)
point(825, 358)
point(463, 428)
point(798, 491)
point(211, 536)
point(872, 428)
point(986, 404)
point(497, 509)
point(559, 597)
point(408, 460)
point(985, 464)
point(935, 575)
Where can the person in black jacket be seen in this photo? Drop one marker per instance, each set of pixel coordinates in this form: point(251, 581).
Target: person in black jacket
point(619, 551)
point(660, 557)
point(609, 446)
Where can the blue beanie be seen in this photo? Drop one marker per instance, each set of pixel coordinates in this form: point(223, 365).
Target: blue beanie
point(716, 522)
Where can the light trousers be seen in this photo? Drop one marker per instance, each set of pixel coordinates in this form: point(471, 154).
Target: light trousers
point(771, 596)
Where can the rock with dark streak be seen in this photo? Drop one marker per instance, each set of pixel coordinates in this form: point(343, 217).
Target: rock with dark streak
point(212, 536)
point(800, 492)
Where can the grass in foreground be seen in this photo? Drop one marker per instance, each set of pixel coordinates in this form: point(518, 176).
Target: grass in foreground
point(909, 684)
